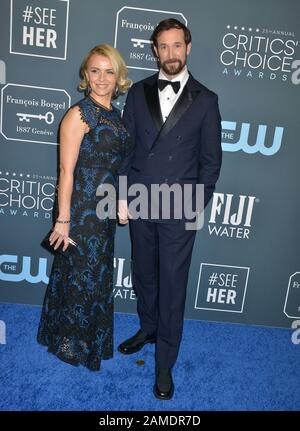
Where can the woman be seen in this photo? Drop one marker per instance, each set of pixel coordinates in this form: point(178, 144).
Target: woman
point(77, 317)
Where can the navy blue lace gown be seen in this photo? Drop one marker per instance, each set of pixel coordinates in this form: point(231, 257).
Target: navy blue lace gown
point(77, 316)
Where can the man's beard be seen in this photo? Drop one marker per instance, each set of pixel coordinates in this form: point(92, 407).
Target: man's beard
point(173, 66)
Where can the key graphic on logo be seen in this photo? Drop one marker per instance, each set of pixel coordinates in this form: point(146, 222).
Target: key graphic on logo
point(139, 42)
point(48, 117)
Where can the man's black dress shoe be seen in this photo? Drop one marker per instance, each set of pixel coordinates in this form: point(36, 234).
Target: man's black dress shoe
point(136, 343)
point(164, 386)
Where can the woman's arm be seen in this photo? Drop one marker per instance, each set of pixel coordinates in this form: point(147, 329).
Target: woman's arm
point(71, 134)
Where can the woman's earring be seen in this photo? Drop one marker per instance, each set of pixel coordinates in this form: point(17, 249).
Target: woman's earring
point(116, 92)
point(88, 88)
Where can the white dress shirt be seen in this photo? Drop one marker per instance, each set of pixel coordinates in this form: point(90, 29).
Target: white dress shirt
point(168, 97)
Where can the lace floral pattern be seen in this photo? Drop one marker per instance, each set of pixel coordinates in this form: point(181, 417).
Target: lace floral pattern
point(77, 316)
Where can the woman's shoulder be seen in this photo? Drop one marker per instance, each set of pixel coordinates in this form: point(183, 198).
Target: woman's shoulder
point(74, 110)
point(84, 102)
point(84, 108)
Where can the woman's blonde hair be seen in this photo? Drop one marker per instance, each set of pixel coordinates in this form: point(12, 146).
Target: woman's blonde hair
point(118, 65)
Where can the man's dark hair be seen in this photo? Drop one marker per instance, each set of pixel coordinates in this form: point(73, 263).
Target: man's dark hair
point(167, 24)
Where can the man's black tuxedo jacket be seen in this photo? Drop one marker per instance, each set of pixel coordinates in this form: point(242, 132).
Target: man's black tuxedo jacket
point(184, 149)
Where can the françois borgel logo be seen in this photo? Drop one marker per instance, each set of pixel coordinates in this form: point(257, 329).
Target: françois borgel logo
point(222, 287)
point(39, 28)
point(259, 53)
point(292, 299)
point(32, 114)
point(134, 27)
point(231, 216)
point(26, 195)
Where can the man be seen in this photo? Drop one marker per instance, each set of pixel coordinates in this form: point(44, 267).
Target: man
point(176, 125)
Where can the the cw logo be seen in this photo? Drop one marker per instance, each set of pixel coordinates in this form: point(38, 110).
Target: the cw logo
point(7, 262)
point(243, 143)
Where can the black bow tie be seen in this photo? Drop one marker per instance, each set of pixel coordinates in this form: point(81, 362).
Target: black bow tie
point(162, 83)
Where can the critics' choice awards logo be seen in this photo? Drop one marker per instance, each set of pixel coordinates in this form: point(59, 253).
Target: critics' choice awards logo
point(134, 27)
point(32, 114)
point(231, 215)
point(251, 139)
point(260, 53)
point(39, 28)
point(292, 300)
point(221, 287)
point(26, 195)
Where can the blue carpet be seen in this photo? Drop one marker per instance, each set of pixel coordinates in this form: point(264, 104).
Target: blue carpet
point(220, 367)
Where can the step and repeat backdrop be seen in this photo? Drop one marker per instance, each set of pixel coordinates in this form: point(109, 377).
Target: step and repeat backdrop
point(245, 266)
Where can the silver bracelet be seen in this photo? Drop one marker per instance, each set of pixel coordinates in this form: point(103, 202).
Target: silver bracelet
point(63, 221)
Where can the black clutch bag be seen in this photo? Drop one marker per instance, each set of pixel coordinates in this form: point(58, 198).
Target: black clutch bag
point(71, 249)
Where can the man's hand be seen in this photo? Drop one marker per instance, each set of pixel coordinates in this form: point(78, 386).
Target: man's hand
point(123, 212)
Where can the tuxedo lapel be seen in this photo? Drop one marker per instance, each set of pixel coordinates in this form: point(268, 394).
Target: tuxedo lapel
point(182, 104)
point(151, 95)
point(187, 97)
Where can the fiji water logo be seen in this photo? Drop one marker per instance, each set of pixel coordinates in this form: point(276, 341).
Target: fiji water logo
point(234, 140)
point(231, 216)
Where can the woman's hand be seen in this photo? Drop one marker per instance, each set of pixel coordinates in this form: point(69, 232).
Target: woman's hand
point(60, 234)
point(123, 213)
